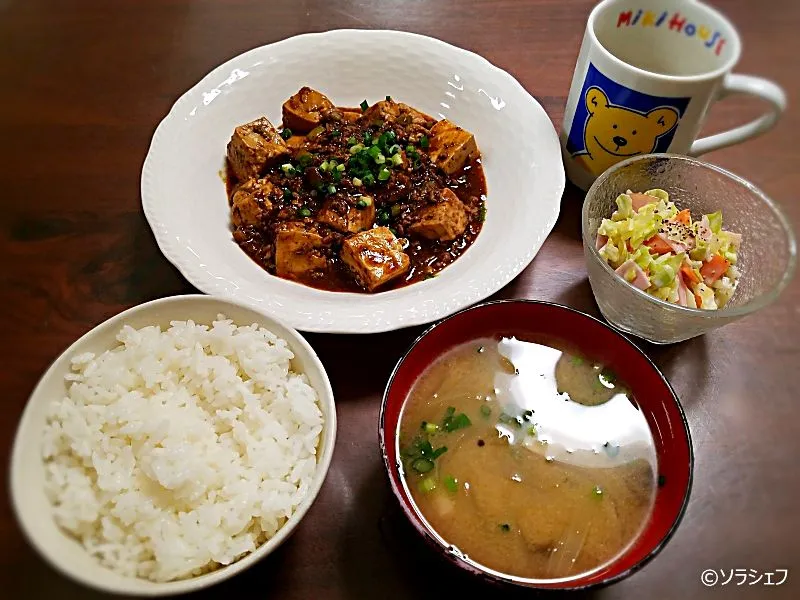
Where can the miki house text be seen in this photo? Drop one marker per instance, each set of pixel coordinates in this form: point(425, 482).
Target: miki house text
point(676, 22)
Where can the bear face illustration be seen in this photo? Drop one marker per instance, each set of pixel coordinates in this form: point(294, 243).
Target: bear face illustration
point(614, 133)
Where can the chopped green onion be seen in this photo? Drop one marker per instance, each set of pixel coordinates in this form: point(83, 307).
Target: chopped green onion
point(609, 375)
point(505, 527)
point(305, 159)
point(288, 169)
point(431, 427)
point(394, 149)
point(324, 166)
point(486, 410)
point(315, 133)
point(357, 182)
point(597, 492)
point(397, 160)
point(337, 133)
point(332, 162)
point(374, 152)
point(438, 452)
point(380, 159)
point(383, 217)
point(458, 422)
point(451, 483)
point(410, 149)
point(427, 485)
point(394, 231)
point(364, 106)
point(383, 174)
point(507, 419)
point(367, 136)
point(304, 212)
point(423, 141)
point(286, 133)
point(287, 194)
point(331, 189)
point(395, 210)
point(356, 148)
point(422, 465)
point(482, 213)
point(352, 140)
point(364, 202)
point(532, 431)
point(368, 179)
point(340, 168)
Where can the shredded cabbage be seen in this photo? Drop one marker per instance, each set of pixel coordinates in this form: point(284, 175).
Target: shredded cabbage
point(632, 236)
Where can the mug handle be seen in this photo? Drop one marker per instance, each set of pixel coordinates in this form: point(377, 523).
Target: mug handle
point(754, 86)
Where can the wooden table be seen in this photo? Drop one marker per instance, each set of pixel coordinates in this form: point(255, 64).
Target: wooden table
point(84, 84)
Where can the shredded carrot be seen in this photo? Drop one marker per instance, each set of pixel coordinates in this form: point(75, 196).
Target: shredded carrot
point(689, 276)
point(714, 268)
point(685, 217)
point(657, 245)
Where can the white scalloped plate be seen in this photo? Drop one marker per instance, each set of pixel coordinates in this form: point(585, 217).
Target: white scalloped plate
point(184, 197)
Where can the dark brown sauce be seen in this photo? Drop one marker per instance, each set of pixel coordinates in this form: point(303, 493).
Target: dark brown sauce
point(427, 257)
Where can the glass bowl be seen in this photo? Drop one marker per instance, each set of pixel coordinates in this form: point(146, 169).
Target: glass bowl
point(766, 258)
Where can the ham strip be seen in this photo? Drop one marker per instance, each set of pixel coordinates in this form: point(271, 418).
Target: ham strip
point(641, 280)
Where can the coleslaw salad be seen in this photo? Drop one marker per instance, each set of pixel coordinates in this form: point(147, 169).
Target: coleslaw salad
point(664, 252)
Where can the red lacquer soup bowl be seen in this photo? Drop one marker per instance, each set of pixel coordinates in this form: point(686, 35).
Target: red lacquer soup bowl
point(536, 321)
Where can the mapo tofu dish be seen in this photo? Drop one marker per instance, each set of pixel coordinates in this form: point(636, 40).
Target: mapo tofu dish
point(359, 199)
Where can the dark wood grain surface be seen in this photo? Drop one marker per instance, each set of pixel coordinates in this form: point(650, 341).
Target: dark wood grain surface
point(83, 85)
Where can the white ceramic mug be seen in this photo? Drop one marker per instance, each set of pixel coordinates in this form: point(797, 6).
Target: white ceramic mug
point(646, 75)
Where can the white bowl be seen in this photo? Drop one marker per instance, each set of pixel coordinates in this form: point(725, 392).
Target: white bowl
point(32, 507)
point(185, 202)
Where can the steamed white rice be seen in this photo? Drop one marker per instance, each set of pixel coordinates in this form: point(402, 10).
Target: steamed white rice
point(182, 450)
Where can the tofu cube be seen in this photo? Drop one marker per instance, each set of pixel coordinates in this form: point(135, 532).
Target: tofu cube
point(299, 251)
point(375, 257)
point(384, 110)
point(351, 116)
point(251, 202)
point(253, 147)
point(341, 216)
point(389, 110)
point(296, 142)
point(304, 111)
point(451, 147)
point(415, 117)
point(445, 220)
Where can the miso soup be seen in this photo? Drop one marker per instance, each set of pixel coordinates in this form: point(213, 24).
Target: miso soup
point(527, 459)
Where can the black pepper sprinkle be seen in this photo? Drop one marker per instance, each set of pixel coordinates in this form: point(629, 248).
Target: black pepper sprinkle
point(661, 480)
point(481, 442)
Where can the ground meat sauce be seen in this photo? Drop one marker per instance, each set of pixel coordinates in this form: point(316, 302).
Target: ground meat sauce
point(298, 193)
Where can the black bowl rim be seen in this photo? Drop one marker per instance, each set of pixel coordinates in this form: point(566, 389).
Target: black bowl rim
point(425, 530)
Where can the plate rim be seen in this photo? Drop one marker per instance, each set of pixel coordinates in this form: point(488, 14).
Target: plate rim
point(203, 282)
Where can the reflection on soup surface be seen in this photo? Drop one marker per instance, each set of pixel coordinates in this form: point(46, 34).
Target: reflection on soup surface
point(529, 460)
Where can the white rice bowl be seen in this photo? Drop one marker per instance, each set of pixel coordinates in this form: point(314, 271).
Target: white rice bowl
point(180, 450)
